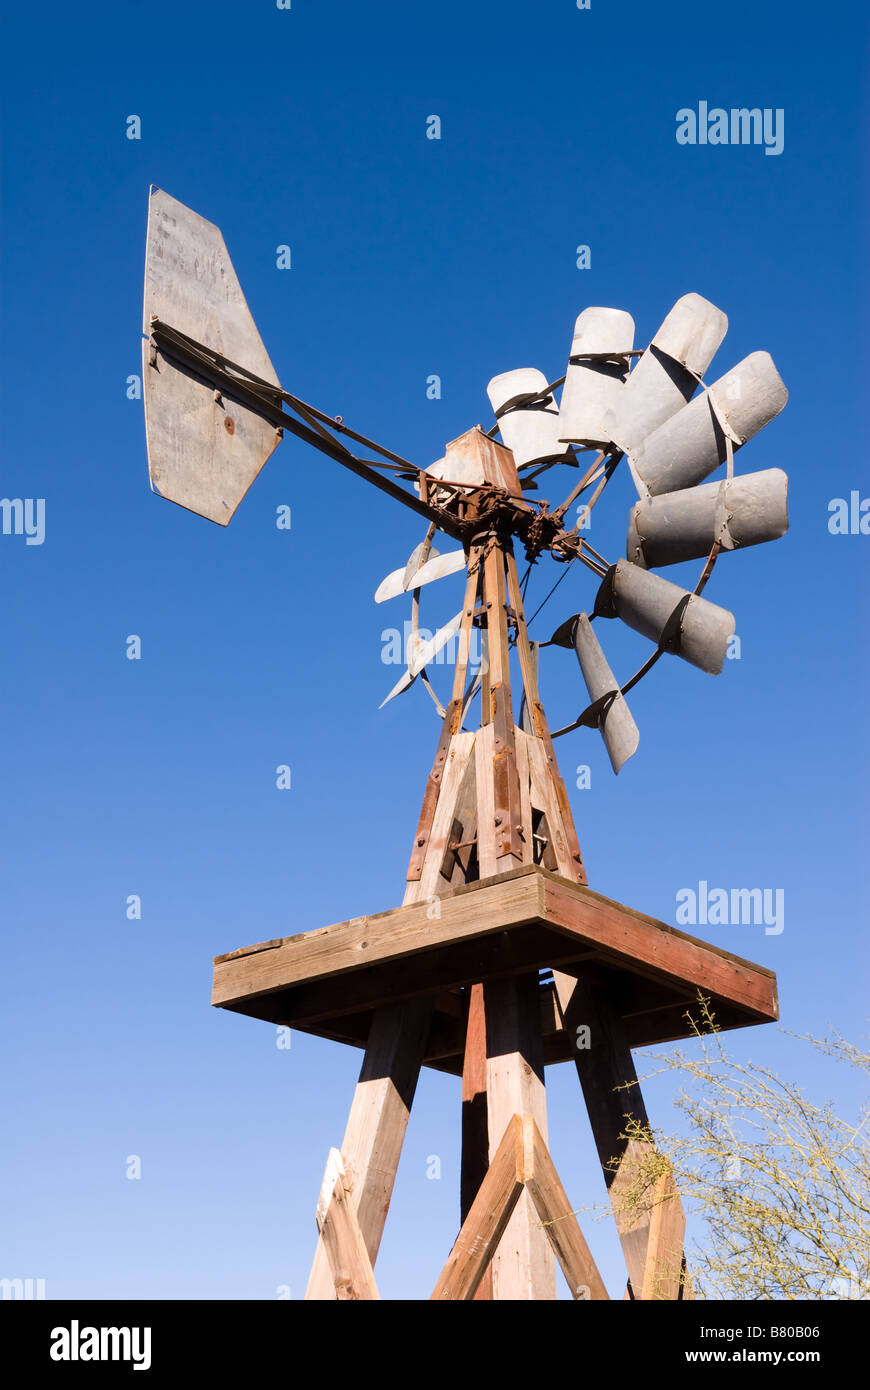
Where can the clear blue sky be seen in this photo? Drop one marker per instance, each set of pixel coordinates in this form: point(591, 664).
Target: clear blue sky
point(262, 647)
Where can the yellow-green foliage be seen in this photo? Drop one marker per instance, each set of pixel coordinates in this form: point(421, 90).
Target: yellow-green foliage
point(775, 1186)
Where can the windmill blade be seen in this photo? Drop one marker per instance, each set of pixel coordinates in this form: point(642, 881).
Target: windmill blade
point(589, 407)
point(396, 582)
point(423, 654)
point(683, 623)
point(618, 729)
point(203, 452)
point(737, 512)
point(418, 557)
point(437, 567)
point(688, 447)
point(665, 377)
point(531, 430)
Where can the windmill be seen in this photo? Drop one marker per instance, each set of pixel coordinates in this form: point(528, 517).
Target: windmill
point(500, 959)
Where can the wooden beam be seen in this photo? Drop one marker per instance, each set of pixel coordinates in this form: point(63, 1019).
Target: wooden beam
point(349, 1263)
point(377, 1122)
point(667, 1231)
point(622, 936)
point(487, 1219)
point(558, 1218)
point(610, 1089)
point(502, 954)
point(389, 955)
point(523, 1266)
point(475, 1129)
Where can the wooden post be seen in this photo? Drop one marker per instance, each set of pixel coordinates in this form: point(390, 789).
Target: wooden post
point(523, 1265)
point(613, 1097)
point(377, 1123)
point(349, 1263)
point(475, 1128)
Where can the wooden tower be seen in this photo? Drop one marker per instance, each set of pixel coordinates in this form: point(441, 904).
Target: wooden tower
point(496, 894)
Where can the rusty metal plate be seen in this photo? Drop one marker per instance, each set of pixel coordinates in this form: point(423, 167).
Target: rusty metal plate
point(203, 453)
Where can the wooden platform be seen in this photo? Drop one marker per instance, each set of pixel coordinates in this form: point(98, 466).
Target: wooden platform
point(328, 981)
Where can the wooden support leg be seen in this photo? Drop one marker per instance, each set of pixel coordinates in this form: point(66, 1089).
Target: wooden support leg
point(351, 1268)
point(523, 1265)
point(521, 1160)
point(606, 1068)
point(475, 1129)
point(377, 1123)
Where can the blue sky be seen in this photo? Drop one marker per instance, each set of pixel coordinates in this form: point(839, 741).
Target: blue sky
point(261, 647)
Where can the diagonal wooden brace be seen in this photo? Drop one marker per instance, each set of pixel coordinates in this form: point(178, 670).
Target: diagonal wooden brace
point(349, 1263)
point(521, 1161)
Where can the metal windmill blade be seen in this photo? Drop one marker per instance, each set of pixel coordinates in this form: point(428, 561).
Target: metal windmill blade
point(531, 429)
point(682, 622)
point(400, 581)
point(666, 376)
point(612, 715)
point(736, 513)
point(422, 655)
point(205, 447)
point(693, 443)
point(596, 375)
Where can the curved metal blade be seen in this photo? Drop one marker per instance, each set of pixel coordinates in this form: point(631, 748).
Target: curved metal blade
point(649, 604)
point(396, 582)
point(747, 510)
point(684, 450)
point(530, 431)
point(436, 567)
point(424, 653)
point(665, 378)
point(617, 726)
point(589, 407)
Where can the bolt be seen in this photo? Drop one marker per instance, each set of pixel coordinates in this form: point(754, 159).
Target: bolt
point(229, 425)
point(421, 841)
point(217, 396)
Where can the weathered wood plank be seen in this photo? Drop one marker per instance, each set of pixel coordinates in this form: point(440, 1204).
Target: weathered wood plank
point(626, 937)
point(667, 1231)
point(523, 1266)
point(558, 1218)
point(349, 1263)
point(661, 968)
point(376, 1124)
point(364, 941)
point(610, 1089)
point(487, 1220)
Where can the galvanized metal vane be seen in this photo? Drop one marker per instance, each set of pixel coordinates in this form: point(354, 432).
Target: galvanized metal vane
point(204, 448)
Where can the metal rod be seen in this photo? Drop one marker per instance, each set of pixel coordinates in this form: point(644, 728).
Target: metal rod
point(189, 354)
